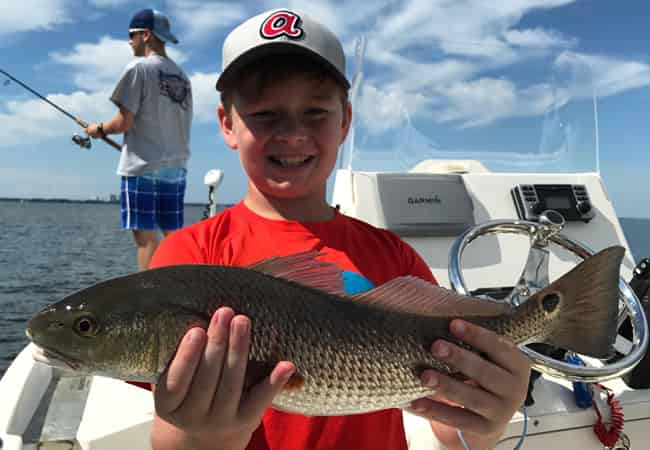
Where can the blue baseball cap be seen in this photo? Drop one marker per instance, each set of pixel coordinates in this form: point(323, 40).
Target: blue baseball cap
point(156, 22)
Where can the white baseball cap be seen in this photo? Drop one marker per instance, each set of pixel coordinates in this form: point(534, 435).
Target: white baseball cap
point(282, 31)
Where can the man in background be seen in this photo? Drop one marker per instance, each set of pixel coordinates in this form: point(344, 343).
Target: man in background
point(154, 97)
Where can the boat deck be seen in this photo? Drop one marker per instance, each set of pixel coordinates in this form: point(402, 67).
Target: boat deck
point(58, 415)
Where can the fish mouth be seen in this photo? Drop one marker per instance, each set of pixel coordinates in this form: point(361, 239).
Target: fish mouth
point(54, 358)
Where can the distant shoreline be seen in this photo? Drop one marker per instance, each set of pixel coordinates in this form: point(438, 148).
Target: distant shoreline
point(117, 202)
point(88, 201)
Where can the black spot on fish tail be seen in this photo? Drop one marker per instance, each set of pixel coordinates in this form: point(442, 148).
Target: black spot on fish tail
point(550, 302)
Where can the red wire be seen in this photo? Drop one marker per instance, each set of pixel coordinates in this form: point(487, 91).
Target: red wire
point(609, 436)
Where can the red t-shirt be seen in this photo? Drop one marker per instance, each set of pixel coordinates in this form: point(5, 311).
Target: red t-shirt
point(240, 237)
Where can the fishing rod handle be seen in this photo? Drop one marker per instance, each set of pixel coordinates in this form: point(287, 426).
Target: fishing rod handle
point(112, 143)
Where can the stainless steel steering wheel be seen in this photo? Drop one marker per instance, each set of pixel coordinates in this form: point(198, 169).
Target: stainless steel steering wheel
point(535, 277)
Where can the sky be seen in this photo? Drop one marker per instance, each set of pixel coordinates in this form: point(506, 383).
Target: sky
point(515, 77)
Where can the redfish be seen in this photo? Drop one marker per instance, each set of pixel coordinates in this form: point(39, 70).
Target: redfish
point(353, 353)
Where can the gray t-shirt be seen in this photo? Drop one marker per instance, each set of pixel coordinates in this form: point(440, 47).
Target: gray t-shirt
point(159, 95)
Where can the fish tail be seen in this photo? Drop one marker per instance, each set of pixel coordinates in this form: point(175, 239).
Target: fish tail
point(584, 303)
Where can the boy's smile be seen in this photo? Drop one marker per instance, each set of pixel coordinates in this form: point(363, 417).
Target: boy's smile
point(291, 161)
point(287, 134)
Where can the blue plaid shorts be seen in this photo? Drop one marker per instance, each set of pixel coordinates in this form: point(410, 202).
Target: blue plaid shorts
point(153, 200)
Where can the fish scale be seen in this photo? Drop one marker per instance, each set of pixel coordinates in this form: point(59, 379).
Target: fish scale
point(333, 380)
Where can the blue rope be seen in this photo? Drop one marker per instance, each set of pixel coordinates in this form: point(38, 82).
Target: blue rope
point(521, 439)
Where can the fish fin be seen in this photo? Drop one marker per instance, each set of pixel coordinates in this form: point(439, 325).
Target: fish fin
point(409, 294)
point(305, 269)
point(588, 304)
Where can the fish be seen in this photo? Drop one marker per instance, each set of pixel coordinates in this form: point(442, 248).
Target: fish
point(353, 353)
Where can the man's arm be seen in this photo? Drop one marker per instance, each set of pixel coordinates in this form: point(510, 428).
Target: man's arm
point(121, 123)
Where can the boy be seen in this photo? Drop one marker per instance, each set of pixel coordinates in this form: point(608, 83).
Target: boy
point(285, 110)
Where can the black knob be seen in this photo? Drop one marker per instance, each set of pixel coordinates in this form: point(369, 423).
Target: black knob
point(583, 207)
point(538, 208)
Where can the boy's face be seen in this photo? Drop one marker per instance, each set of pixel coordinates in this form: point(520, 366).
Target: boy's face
point(287, 135)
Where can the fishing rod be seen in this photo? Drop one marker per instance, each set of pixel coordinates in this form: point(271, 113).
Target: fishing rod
point(83, 142)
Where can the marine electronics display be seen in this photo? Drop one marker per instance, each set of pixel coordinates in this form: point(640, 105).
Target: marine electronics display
point(570, 200)
point(415, 204)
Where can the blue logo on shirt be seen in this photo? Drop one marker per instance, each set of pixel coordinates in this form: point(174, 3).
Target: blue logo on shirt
point(175, 87)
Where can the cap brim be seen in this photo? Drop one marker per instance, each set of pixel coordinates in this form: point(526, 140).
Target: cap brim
point(277, 48)
point(165, 37)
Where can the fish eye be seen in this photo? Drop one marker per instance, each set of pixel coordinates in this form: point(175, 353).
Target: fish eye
point(86, 326)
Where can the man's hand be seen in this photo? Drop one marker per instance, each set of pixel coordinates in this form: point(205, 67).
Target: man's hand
point(94, 132)
point(482, 406)
point(200, 397)
point(121, 123)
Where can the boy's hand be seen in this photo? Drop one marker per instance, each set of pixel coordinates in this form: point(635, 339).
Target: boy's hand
point(201, 392)
point(497, 389)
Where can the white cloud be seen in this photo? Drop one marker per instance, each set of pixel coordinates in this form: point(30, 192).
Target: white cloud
point(466, 27)
point(36, 121)
point(478, 102)
point(98, 66)
point(28, 15)
point(609, 75)
point(442, 57)
point(471, 102)
point(19, 117)
point(433, 54)
point(205, 97)
point(436, 57)
point(380, 109)
point(109, 3)
point(342, 17)
point(537, 38)
point(199, 19)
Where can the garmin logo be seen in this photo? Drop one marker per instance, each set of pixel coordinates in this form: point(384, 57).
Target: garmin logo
point(424, 200)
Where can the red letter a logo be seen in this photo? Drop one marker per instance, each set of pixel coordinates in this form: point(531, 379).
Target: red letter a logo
point(281, 23)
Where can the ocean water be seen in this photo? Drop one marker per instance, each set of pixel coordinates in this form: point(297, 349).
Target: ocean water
point(48, 250)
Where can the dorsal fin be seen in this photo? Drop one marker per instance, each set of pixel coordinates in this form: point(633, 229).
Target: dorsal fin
point(305, 269)
point(409, 294)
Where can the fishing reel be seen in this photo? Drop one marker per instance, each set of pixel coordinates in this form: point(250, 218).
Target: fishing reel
point(82, 141)
point(535, 277)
